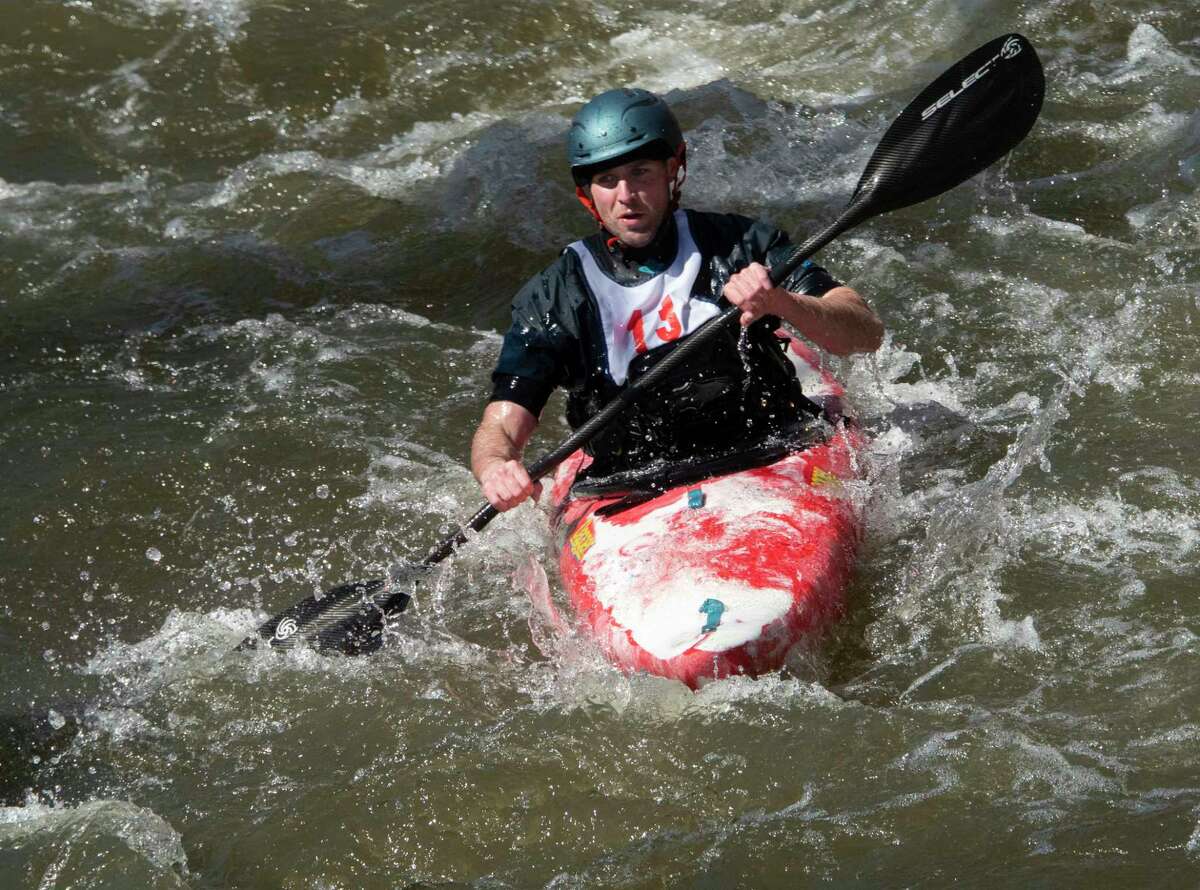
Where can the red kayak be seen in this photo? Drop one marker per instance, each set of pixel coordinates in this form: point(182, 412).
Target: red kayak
point(724, 575)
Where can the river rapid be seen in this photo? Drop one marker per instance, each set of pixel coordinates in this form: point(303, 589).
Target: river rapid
point(255, 260)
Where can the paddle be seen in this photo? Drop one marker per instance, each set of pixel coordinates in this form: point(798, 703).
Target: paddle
point(969, 117)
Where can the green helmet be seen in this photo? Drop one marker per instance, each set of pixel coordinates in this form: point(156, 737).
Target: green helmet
point(618, 123)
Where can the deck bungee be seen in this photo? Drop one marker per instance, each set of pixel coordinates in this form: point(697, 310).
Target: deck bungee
point(725, 573)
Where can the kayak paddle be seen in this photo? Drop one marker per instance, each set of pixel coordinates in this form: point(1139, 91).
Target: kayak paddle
point(972, 115)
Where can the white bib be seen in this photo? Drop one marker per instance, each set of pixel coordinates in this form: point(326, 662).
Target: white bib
point(637, 319)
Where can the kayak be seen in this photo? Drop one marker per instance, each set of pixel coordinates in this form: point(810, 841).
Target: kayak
point(724, 573)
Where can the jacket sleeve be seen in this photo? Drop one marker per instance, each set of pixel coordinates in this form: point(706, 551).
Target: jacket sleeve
point(735, 241)
point(535, 355)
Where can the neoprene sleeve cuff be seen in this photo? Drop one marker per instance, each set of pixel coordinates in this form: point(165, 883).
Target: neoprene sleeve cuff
point(810, 279)
point(529, 394)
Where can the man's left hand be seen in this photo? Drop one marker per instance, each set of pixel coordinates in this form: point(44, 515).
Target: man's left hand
point(751, 291)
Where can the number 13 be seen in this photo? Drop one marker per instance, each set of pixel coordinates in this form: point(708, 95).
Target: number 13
point(671, 331)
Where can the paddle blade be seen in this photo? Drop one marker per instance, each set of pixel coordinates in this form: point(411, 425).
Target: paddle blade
point(348, 619)
point(971, 116)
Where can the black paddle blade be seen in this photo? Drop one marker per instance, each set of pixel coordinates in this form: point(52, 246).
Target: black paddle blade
point(965, 120)
point(348, 619)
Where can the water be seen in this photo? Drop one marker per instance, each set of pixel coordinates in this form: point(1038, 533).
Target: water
point(255, 259)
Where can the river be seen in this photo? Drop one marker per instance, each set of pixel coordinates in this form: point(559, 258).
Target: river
point(255, 262)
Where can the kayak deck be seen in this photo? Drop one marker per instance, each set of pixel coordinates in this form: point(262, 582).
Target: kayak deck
point(722, 576)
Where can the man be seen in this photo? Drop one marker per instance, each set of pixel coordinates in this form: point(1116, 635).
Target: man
point(615, 303)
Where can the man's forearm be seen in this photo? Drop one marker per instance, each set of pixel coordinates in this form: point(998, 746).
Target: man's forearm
point(491, 444)
point(502, 435)
point(496, 454)
point(839, 322)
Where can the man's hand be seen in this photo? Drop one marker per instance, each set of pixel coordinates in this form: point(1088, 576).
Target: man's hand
point(840, 322)
point(506, 484)
point(496, 455)
point(751, 291)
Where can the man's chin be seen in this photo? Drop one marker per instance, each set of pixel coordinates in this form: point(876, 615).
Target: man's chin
point(636, 238)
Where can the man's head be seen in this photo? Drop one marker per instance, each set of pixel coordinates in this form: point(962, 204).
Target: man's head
point(626, 153)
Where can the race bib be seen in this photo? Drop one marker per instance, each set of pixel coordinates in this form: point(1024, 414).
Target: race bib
point(639, 318)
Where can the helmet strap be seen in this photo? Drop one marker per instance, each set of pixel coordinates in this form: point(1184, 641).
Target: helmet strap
point(680, 176)
point(586, 200)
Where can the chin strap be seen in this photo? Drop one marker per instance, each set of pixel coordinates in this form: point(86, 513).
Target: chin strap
point(586, 200)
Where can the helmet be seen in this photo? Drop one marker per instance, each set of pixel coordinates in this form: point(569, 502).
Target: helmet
point(619, 123)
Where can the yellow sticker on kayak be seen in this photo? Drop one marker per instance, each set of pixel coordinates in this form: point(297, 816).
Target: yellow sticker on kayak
point(582, 539)
point(822, 477)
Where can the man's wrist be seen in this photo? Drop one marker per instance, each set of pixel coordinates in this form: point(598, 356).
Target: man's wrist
point(489, 464)
point(784, 301)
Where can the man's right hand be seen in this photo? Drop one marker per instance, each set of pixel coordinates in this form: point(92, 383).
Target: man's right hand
point(496, 454)
point(506, 484)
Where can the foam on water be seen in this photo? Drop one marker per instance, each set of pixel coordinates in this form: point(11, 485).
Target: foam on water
point(1149, 52)
point(225, 17)
point(665, 62)
point(187, 645)
point(1106, 532)
point(975, 531)
point(73, 829)
point(378, 182)
point(951, 575)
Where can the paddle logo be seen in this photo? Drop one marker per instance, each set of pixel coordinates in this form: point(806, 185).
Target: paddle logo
point(285, 628)
point(1010, 49)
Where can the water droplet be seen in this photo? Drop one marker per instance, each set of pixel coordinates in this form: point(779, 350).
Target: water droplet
point(153, 554)
point(322, 491)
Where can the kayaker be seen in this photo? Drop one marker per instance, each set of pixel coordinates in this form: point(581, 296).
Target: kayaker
point(614, 303)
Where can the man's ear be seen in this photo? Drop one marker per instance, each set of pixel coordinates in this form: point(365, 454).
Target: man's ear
point(672, 168)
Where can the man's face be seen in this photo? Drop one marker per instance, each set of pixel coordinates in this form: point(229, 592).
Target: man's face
point(633, 199)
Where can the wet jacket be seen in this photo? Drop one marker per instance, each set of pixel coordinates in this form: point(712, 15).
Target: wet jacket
point(740, 392)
